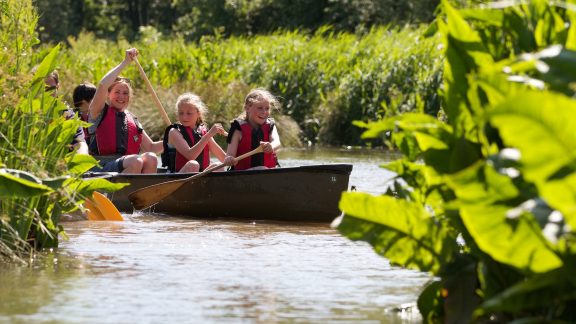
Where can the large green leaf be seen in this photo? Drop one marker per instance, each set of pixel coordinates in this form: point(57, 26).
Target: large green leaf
point(19, 184)
point(517, 242)
point(485, 199)
point(85, 187)
point(561, 195)
point(400, 230)
point(47, 65)
point(481, 184)
point(80, 163)
point(541, 126)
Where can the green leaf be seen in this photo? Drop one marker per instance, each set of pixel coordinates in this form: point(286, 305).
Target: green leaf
point(485, 15)
point(47, 65)
point(541, 126)
point(85, 187)
point(430, 302)
point(80, 163)
point(548, 289)
point(19, 184)
point(517, 242)
point(400, 230)
point(481, 184)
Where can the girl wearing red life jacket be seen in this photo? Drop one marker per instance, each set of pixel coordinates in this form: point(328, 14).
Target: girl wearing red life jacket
point(255, 129)
point(193, 143)
point(118, 137)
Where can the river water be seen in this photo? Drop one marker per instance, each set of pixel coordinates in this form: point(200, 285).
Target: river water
point(157, 268)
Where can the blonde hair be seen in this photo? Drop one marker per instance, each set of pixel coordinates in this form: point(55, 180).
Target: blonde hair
point(194, 100)
point(258, 95)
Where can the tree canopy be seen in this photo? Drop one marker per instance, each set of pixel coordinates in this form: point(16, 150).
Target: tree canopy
point(193, 19)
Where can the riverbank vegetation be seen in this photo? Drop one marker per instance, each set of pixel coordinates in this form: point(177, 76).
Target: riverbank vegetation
point(485, 200)
point(325, 80)
point(39, 175)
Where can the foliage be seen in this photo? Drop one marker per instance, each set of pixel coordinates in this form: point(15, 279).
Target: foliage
point(193, 19)
point(324, 80)
point(484, 199)
point(39, 175)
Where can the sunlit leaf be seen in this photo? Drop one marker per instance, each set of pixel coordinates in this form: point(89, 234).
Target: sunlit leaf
point(546, 124)
point(19, 184)
point(397, 229)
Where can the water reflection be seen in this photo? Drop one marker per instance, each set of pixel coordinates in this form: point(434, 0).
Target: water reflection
point(156, 268)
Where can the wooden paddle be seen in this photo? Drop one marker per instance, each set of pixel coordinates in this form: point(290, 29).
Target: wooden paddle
point(151, 195)
point(99, 207)
point(153, 93)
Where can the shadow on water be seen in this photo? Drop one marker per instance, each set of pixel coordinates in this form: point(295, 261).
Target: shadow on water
point(156, 268)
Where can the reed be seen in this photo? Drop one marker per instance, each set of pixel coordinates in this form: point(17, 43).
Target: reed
point(39, 174)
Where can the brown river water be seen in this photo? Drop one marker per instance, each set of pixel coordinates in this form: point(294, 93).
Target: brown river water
point(163, 269)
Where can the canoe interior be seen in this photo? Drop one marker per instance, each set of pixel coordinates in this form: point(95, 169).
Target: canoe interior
point(305, 193)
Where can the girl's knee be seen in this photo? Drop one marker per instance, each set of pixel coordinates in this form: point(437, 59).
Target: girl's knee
point(133, 164)
point(191, 166)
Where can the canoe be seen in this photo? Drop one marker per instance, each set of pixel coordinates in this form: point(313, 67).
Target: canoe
point(306, 193)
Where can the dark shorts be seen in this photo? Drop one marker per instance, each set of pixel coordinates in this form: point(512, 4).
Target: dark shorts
point(109, 165)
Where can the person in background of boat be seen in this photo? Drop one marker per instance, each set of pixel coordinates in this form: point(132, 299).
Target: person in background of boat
point(82, 96)
point(188, 144)
point(117, 137)
point(51, 85)
point(252, 129)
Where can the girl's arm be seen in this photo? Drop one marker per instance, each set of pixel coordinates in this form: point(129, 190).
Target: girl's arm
point(97, 103)
point(232, 148)
point(150, 146)
point(275, 140)
point(216, 150)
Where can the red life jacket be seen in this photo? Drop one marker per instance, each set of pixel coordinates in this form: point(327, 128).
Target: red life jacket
point(118, 133)
point(192, 137)
point(251, 139)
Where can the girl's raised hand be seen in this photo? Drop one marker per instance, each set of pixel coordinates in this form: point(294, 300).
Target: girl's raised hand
point(131, 54)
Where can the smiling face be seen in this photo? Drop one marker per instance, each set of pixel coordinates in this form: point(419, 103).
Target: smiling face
point(187, 114)
point(119, 95)
point(258, 111)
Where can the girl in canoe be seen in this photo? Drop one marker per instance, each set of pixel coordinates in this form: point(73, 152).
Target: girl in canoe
point(188, 144)
point(118, 137)
point(252, 129)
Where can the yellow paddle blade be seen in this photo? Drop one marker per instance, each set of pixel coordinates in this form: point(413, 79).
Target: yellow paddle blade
point(106, 207)
point(92, 211)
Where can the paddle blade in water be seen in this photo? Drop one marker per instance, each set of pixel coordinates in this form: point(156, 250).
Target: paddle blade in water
point(107, 208)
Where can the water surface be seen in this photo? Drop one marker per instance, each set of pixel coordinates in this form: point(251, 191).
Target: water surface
point(158, 268)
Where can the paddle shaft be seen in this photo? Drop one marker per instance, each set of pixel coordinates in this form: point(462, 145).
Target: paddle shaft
point(151, 195)
point(153, 93)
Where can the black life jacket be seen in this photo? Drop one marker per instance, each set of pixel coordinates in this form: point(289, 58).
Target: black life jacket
point(169, 156)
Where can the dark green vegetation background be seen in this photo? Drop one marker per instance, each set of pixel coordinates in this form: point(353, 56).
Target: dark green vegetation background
point(192, 19)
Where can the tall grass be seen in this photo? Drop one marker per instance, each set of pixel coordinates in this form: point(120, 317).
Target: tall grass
point(325, 80)
point(39, 174)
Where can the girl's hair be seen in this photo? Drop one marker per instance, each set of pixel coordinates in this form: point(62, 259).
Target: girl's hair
point(194, 100)
point(258, 95)
point(83, 92)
